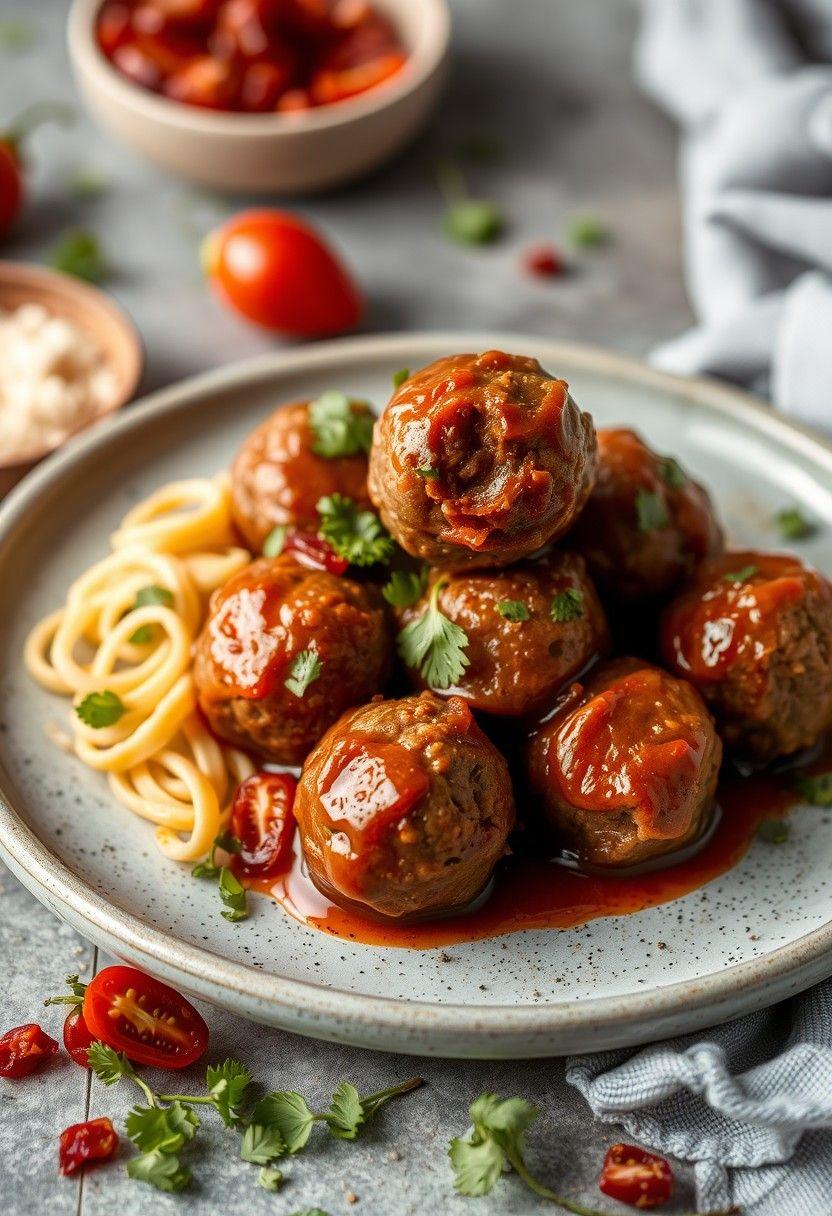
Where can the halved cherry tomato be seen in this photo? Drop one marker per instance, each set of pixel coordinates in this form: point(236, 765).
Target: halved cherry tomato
point(24, 1050)
point(86, 1144)
point(150, 1022)
point(263, 822)
point(77, 1037)
point(312, 551)
point(277, 271)
point(632, 1175)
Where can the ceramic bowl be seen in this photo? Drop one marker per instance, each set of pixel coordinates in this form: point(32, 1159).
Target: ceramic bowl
point(281, 153)
point(91, 310)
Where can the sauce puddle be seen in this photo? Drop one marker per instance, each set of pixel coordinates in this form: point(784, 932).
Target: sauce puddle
point(533, 894)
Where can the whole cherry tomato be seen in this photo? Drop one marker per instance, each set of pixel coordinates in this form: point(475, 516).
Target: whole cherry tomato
point(276, 271)
point(150, 1022)
point(262, 820)
point(86, 1144)
point(632, 1175)
point(11, 168)
point(77, 1037)
point(24, 1050)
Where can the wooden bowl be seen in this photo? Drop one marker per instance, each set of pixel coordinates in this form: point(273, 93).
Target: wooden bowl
point(292, 153)
point(91, 310)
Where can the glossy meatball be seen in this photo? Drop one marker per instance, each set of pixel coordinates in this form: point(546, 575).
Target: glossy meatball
point(753, 632)
point(626, 768)
point(404, 808)
point(270, 624)
point(277, 476)
point(646, 525)
point(479, 460)
point(530, 628)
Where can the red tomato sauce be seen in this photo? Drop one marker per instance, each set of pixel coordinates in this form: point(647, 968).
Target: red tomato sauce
point(532, 893)
point(250, 56)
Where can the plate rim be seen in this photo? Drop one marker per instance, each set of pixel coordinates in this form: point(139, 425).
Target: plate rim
point(300, 1002)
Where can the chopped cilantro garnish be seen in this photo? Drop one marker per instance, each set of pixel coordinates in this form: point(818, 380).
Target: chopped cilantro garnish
point(742, 575)
point(275, 541)
point(100, 709)
point(340, 426)
point(404, 588)
point(306, 668)
point(434, 645)
point(672, 473)
point(354, 534)
point(513, 610)
point(567, 605)
point(651, 511)
point(79, 254)
point(793, 524)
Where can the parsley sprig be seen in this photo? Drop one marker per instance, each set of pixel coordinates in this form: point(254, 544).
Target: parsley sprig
point(433, 644)
point(340, 425)
point(277, 1125)
point(354, 534)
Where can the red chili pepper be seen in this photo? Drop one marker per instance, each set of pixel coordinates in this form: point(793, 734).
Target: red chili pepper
point(632, 1175)
point(545, 261)
point(86, 1144)
point(11, 168)
point(312, 551)
point(24, 1050)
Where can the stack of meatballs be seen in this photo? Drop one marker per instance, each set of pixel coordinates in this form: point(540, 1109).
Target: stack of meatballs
point(607, 646)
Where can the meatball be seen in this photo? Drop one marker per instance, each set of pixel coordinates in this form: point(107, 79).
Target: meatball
point(753, 632)
point(404, 808)
point(530, 628)
point(627, 766)
point(479, 460)
point(284, 652)
point(646, 524)
point(278, 478)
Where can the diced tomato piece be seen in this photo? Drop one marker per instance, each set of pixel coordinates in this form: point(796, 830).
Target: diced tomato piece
point(294, 100)
point(77, 1037)
point(263, 84)
point(331, 86)
point(632, 1175)
point(207, 82)
point(146, 1019)
point(544, 261)
point(113, 26)
point(24, 1050)
point(263, 822)
point(244, 28)
point(86, 1144)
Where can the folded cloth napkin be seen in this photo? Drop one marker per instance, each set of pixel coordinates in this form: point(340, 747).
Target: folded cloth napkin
point(752, 1105)
point(750, 83)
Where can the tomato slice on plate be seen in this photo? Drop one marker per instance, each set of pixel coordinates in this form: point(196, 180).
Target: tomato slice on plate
point(86, 1144)
point(150, 1022)
point(77, 1037)
point(632, 1175)
point(263, 822)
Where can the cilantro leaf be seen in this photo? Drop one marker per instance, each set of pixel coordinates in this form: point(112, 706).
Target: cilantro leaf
point(651, 511)
point(513, 610)
point(227, 1083)
point(289, 1114)
point(672, 473)
point(167, 1129)
point(434, 645)
point(354, 534)
point(742, 575)
point(588, 232)
point(275, 541)
point(340, 427)
point(144, 597)
point(305, 670)
point(816, 790)
point(206, 869)
point(427, 471)
point(262, 1143)
point(793, 524)
point(567, 605)
point(99, 709)
point(162, 1170)
point(233, 895)
point(79, 254)
point(270, 1179)
point(773, 831)
point(477, 1165)
point(400, 376)
point(472, 221)
point(346, 1113)
point(404, 587)
point(108, 1065)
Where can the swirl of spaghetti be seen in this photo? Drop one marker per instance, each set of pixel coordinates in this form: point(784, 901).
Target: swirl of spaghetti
point(127, 629)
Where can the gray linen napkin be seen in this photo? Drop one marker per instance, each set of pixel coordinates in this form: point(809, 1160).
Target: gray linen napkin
point(751, 1105)
point(750, 83)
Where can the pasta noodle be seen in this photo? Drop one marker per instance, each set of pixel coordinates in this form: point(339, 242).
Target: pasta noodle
point(161, 761)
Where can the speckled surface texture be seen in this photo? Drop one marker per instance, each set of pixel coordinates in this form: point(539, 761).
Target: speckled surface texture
point(551, 78)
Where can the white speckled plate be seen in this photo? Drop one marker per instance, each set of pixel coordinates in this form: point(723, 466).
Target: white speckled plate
point(757, 934)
